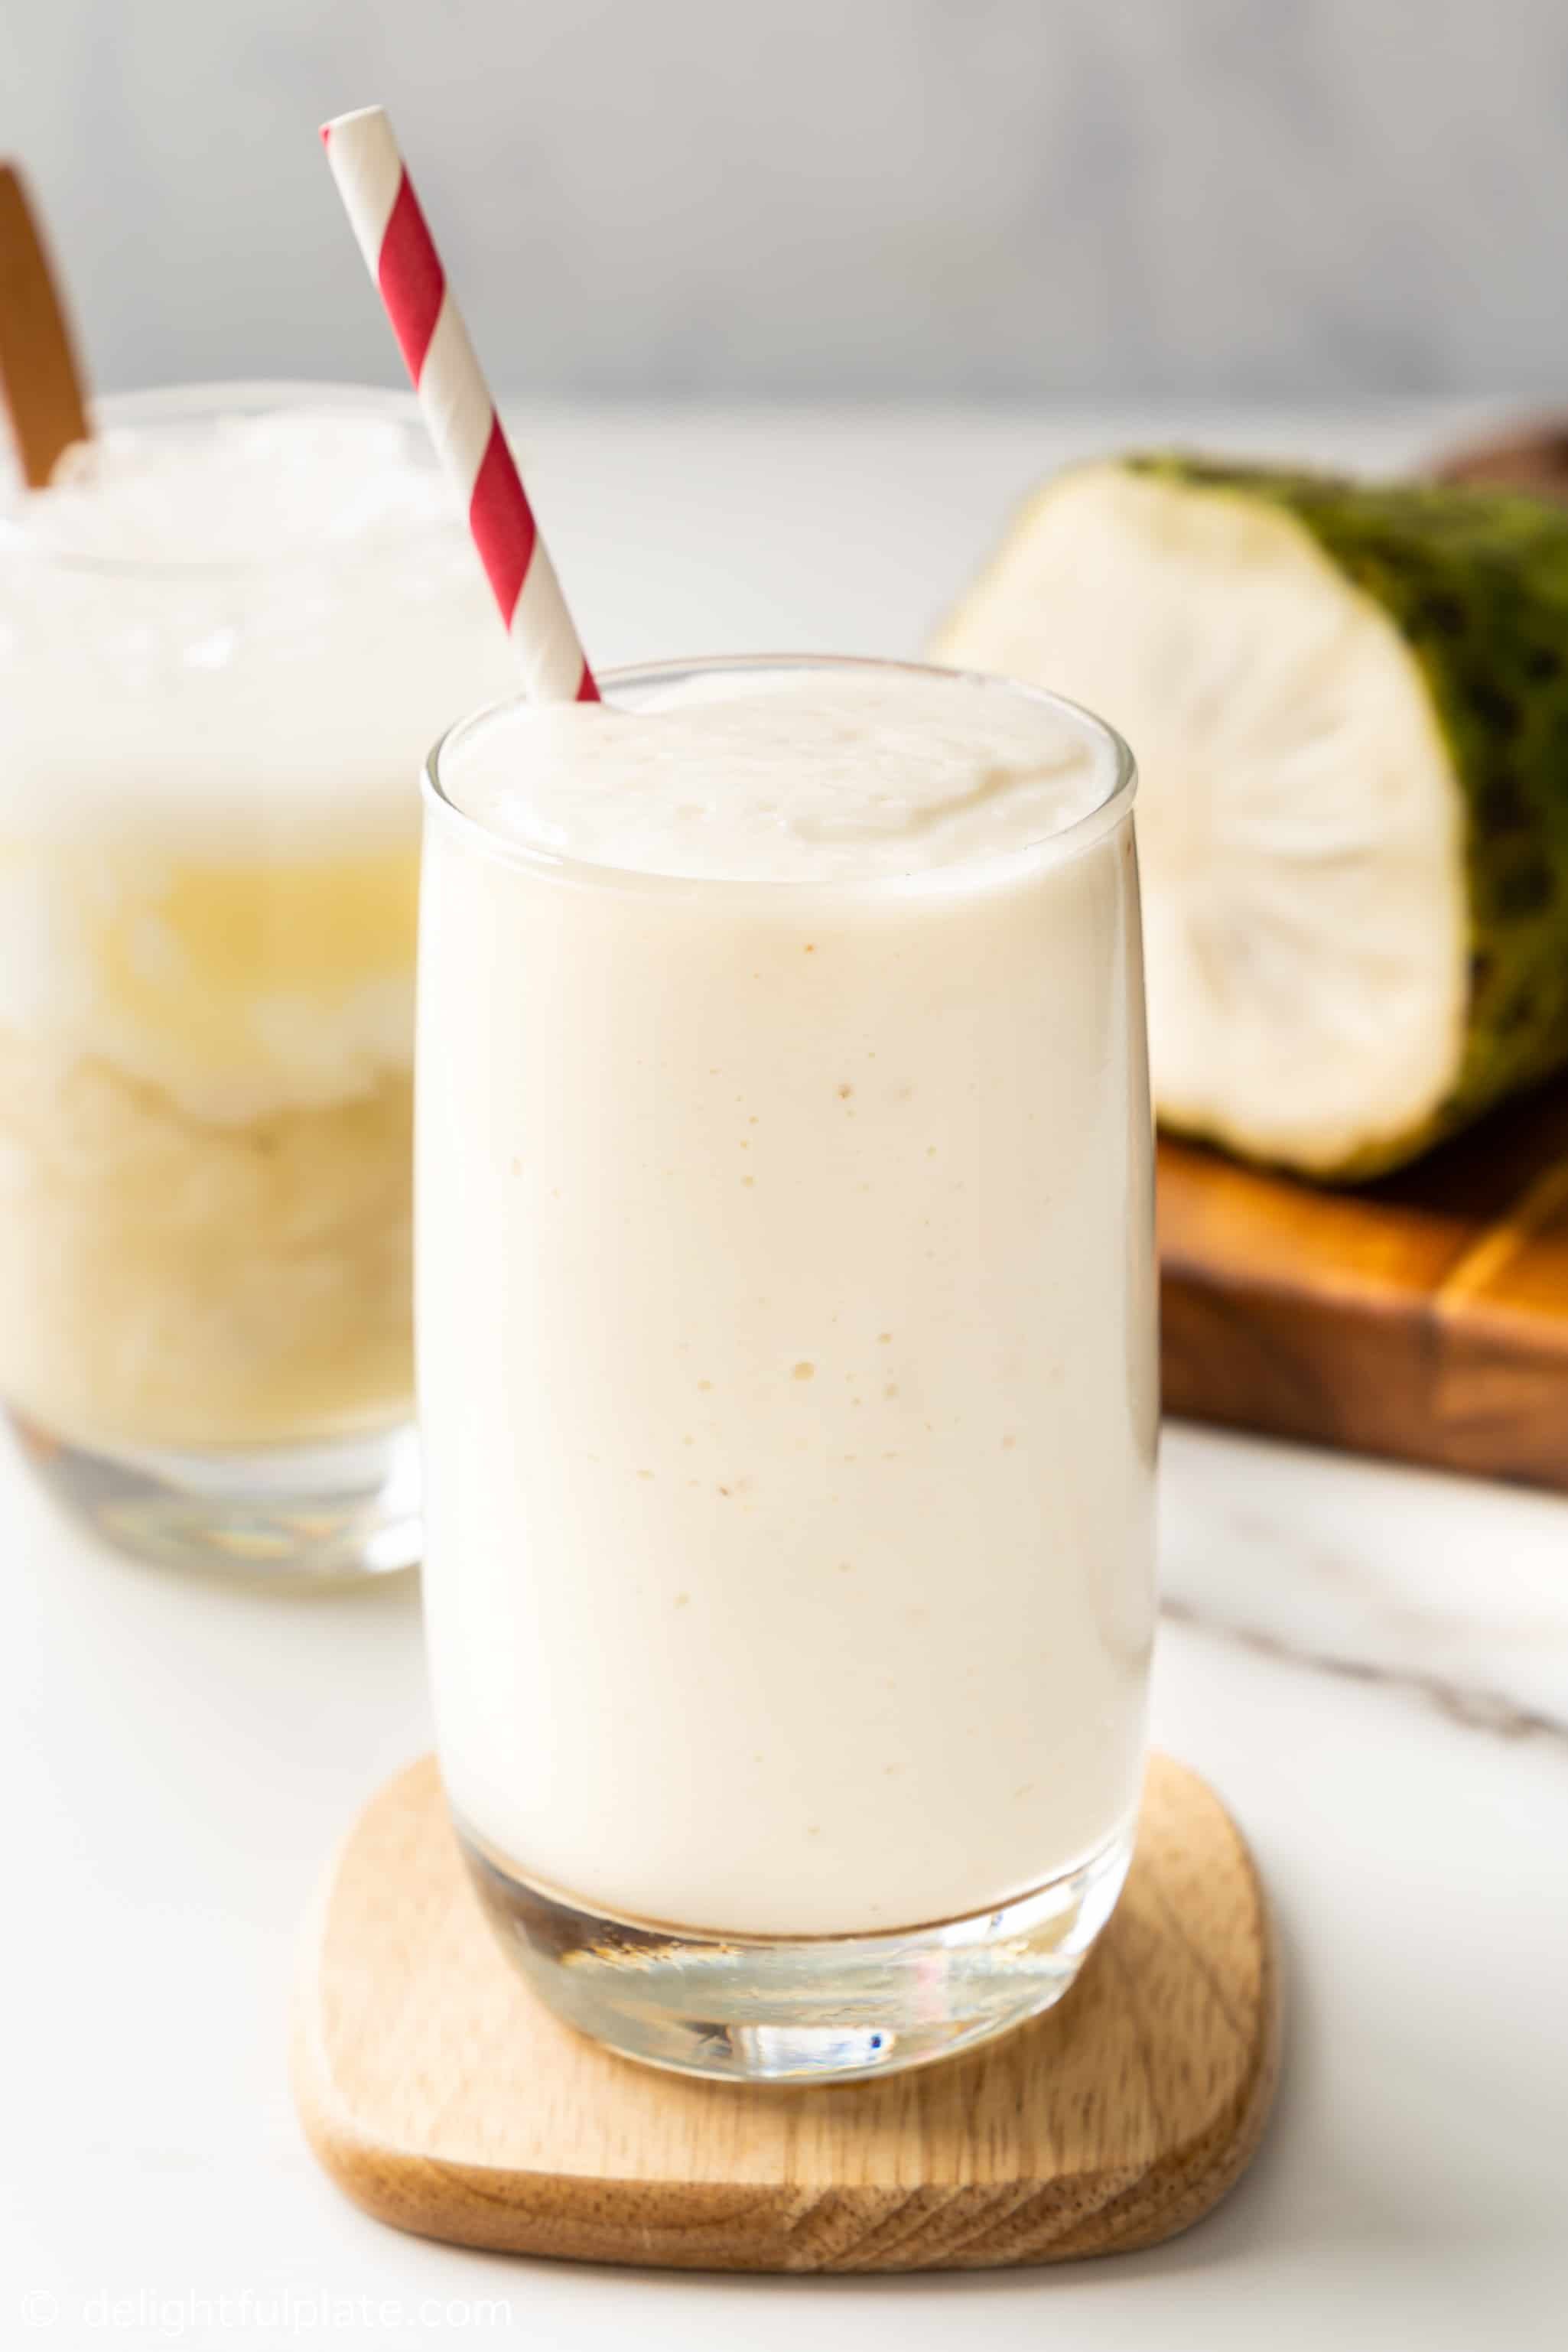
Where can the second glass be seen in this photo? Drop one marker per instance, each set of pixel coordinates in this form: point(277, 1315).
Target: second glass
point(226, 632)
point(786, 1315)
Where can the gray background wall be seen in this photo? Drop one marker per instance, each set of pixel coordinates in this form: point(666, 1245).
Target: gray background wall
point(1281, 199)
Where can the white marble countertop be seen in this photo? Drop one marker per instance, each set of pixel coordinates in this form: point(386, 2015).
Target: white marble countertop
point(1370, 1664)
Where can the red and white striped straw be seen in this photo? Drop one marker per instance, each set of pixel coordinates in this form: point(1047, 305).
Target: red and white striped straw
point(379, 197)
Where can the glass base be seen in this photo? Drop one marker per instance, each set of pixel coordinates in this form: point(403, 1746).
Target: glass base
point(307, 1515)
point(782, 2009)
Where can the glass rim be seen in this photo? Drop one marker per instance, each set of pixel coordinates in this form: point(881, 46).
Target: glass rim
point(994, 865)
point(154, 404)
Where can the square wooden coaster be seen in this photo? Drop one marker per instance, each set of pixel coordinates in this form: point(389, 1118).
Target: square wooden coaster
point(444, 2098)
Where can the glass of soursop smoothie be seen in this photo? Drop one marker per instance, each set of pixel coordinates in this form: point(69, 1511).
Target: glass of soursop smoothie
point(227, 629)
point(786, 1310)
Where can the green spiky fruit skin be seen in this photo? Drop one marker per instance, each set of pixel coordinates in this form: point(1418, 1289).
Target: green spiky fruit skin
point(1476, 582)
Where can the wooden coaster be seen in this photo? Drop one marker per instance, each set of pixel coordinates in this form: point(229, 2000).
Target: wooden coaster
point(444, 2098)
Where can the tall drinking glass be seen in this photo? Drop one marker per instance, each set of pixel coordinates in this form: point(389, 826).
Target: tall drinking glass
point(227, 632)
point(786, 1339)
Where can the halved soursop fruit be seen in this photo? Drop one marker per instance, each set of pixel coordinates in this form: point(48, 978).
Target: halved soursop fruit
point(1349, 706)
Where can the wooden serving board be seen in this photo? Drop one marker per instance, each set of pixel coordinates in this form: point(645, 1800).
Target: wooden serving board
point(1424, 1318)
point(444, 2098)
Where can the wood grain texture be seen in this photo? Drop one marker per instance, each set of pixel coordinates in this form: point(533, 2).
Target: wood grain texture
point(1425, 1317)
point(1532, 457)
point(442, 2098)
point(39, 378)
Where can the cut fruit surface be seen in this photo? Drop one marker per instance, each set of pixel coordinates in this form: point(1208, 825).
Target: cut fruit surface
point(1356, 936)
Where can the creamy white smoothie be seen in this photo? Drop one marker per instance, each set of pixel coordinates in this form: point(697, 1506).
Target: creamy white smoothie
point(225, 641)
point(785, 1296)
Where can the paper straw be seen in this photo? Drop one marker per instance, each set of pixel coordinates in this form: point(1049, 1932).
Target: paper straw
point(401, 257)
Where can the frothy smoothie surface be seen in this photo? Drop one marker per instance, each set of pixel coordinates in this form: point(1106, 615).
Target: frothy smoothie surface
point(796, 776)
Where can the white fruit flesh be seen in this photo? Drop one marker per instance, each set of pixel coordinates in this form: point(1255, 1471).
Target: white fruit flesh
point(1300, 826)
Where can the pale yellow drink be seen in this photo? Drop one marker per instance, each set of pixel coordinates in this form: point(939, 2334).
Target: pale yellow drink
point(229, 630)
